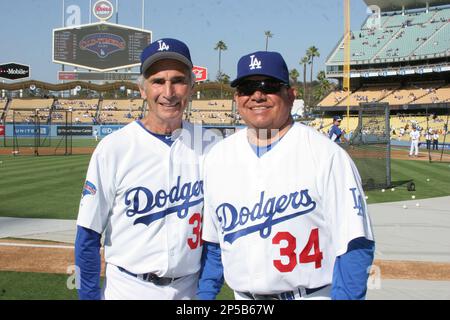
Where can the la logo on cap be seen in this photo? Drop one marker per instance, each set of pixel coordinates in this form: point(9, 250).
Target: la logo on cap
point(254, 63)
point(162, 46)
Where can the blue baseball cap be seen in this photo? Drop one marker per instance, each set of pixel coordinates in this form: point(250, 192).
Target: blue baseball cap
point(337, 118)
point(165, 48)
point(262, 63)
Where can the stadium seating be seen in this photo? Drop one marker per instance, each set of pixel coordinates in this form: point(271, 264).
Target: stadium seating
point(219, 105)
point(364, 95)
point(413, 94)
point(437, 44)
point(401, 37)
point(333, 99)
point(31, 104)
point(211, 117)
point(77, 104)
point(127, 105)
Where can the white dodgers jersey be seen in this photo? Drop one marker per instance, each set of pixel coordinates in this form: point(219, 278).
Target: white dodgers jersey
point(415, 135)
point(147, 197)
point(282, 219)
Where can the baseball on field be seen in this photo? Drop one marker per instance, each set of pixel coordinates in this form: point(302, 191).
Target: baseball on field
point(428, 180)
point(367, 197)
point(404, 206)
point(382, 190)
point(393, 189)
point(413, 197)
point(417, 204)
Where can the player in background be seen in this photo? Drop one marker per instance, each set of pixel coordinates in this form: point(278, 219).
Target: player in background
point(414, 136)
point(95, 134)
point(335, 133)
point(284, 208)
point(143, 190)
point(435, 140)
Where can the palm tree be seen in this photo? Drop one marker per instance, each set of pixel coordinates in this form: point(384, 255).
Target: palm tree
point(268, 35)
point(312, 52)
point(304, 61)
point(324, 86)
point(221, 46)
point(293, 74)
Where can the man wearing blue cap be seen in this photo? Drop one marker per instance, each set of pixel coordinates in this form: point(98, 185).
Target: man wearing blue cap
point(284, 210)
point(335, 133)
point(143, 190)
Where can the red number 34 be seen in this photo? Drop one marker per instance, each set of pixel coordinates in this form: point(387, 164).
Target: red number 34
point(305, 255)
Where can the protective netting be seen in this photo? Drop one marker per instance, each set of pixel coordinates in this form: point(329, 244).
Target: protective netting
point(369, 146)
point(30, 132)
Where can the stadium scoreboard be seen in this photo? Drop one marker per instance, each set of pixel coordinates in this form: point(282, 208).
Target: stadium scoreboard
point(100, 46)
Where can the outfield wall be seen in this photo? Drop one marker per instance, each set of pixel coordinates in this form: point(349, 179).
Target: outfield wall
point(54, 130)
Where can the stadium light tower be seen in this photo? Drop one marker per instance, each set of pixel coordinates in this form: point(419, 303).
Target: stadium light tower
point(347, 39)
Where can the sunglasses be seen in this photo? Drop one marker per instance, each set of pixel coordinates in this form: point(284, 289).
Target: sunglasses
point(247, 88)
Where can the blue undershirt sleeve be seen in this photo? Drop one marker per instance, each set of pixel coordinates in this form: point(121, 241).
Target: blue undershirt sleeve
point(351, 270)
point(330, 133)
point(88, 262)
point(211, 272)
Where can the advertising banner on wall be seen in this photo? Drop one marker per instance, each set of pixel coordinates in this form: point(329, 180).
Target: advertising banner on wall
point(105, 130)
point(30, 130)
point(74, 131)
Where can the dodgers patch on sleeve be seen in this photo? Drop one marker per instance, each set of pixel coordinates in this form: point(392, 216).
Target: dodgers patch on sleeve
point(88, 189)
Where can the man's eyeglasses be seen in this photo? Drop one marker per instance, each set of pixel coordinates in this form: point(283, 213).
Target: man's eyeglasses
point(247, 88)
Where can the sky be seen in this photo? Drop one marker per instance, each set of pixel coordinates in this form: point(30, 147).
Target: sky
point(26, 29)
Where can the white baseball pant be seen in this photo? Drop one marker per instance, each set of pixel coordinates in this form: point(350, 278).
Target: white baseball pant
point(414, 147)
point(121, 286)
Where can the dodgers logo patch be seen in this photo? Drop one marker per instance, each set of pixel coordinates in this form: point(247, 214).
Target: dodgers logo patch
point(88, 189)
point(103, 44)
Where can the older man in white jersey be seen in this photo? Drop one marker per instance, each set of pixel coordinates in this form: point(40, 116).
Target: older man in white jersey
point(284, 208)
point(144, 191)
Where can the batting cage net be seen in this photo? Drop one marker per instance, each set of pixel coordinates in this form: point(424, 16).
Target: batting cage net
point(369, 145)
point(31, 132)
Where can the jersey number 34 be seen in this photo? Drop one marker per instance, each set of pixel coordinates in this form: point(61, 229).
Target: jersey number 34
point(289, 251)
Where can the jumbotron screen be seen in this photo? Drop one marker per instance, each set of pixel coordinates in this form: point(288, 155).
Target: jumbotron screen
point(100, 46)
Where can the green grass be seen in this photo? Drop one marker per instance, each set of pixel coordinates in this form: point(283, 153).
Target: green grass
point(50, 186)
point(35, 286)
point(41, 187)
point(419, 171)
point(46, 286)
point(7, 143)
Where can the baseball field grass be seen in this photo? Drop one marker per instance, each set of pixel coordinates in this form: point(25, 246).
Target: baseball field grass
point(47, 286)
point(431, 180)
point(7, 143)
point(41, 187)
point(50, 186)
point(35, 286)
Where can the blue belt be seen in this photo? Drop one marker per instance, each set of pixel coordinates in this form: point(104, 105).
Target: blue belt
point(150, 277)
point(288, 295)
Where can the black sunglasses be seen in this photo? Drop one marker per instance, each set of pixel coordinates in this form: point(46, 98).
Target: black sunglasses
point(247, 88)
